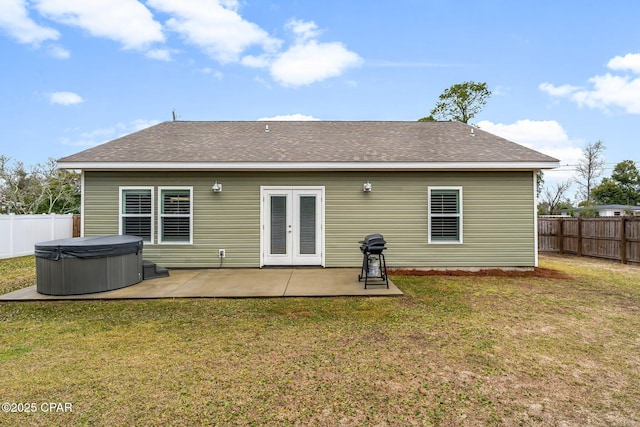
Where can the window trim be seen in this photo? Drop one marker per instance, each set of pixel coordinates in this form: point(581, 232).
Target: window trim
point(161, 215)
point(459, 215)
point(122, 215)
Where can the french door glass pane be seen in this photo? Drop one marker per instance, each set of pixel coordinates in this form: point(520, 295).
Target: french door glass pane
point(307, 224)
point(278, 225)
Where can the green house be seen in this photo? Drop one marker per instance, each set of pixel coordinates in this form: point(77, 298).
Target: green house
point(443, 194)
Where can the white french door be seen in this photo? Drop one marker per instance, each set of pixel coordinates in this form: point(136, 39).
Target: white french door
point(292, 223)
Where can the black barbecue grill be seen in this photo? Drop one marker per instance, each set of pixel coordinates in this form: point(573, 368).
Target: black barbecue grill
point(374, 266)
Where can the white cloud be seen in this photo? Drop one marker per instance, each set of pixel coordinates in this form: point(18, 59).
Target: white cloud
point(256, 61)
point(58, 52)
point(309, 61)
point(545, 136)
point(65, 98)
point(289, 118)
point(303, 30)
point(126, 21)
point(607, 91)
point(92, 138)
point(564, 90)
point(611, 91)
point(407, 64)
point(15, 20)
point(262, 82)
point(159, 54)
point(101, 135)
point(312, 62)
point(631, 61)
point(215, 27)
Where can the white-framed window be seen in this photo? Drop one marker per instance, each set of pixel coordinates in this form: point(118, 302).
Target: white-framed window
point(136, 212)
point(175, 215)
point(445, 214)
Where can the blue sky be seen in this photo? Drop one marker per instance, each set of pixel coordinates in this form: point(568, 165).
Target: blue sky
point(78, 73)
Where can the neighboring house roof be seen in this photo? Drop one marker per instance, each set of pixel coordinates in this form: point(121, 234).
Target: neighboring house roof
point(616, 207)
point(605, 208)
point(309, 145)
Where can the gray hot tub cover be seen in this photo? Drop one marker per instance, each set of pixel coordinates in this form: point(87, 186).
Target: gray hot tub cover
point(89, 247)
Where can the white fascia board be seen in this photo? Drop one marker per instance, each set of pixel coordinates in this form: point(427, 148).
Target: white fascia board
point(331, 166)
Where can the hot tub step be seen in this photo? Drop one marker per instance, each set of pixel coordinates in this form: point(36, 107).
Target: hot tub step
point(152, 271)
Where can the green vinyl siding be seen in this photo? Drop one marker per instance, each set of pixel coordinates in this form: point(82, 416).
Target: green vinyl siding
point(498, 216)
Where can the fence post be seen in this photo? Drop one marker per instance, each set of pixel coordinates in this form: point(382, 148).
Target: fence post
point(76, 225)
point(52, 233)
point(579, 236)
point(561, 236)
point(623, 240)
point(11, 227)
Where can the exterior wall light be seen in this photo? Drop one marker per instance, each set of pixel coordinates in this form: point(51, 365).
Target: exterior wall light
point(367, 187)
point(217, 187)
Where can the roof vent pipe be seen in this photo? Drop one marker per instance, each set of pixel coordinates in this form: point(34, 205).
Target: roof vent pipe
point(266, 128)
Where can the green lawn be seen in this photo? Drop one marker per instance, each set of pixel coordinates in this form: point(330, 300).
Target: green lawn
point(453, 351)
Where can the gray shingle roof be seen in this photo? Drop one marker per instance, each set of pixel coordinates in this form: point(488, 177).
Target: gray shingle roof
point(309, 141)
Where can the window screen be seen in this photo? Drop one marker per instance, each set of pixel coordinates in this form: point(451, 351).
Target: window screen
point(445, 215)
point(136, 215)
point(175, 215)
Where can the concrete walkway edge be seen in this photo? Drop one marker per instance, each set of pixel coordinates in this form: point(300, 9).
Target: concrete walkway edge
point(233, 283)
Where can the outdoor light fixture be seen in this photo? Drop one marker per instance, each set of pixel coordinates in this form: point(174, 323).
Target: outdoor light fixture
point(217, 187)
point(367, 187)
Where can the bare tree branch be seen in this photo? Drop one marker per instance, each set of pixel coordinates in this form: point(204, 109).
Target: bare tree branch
point(590, 168)
point(555, 196)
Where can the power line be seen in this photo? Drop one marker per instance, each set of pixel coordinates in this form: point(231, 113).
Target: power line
point(573, 167)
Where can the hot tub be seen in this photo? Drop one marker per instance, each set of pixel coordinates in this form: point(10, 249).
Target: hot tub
point(85, 265)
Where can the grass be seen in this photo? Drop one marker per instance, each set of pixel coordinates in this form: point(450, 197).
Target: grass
point(17, 273)
point(453, 351)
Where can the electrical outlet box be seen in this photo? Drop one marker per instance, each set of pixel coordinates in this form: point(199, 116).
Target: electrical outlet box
point(221, 253)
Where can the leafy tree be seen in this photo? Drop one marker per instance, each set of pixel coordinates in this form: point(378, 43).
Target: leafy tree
point(16, 185)
point(59, 189)
point(460, 102)
point(539, 182)
point(622, 188)
point(608, 192)
point(41, 189)
point(590, 168)
point(626, 174)
point(588, 212)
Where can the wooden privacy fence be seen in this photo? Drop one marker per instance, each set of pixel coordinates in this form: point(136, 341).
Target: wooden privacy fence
point(76, 226)
point(614, 238)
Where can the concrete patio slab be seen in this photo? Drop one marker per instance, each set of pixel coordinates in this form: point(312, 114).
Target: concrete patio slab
point(234, 283)
point(339, 281)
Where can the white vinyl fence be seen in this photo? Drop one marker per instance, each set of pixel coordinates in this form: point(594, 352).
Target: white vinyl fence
point(19, 233)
